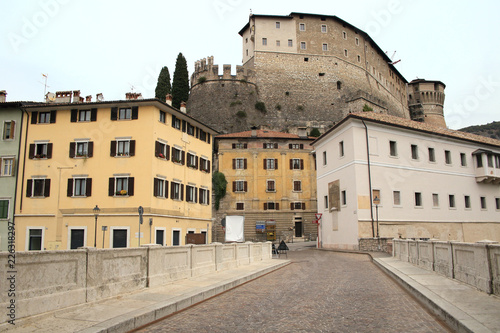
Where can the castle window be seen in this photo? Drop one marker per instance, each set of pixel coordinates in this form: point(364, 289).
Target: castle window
point(339, 85)
point(321, 74)
point(302, 45)
point(325, 47)
point(432, 155)
point(393, 149)
point(277, 25)
point(302, 27)
point(345, 53)
point(278, 43)
point(323, 28)
point(467, 201)
point(306, 59)
point(418, 199)
point(247, 52)
point(264, 41)
point(451, 200)
point(246, 40)
point(344, 34)
point(290, 43)
point(447, 157)
point(359, 58)
point(357, 41)
point(414, 152)
point(463, 159)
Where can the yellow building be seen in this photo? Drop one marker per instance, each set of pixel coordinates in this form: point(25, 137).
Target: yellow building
point(116, 156)
point(271, 181)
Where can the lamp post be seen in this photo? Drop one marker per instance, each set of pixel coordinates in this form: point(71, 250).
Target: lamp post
point(96, 214)
point(104, 228)
point(376, 200)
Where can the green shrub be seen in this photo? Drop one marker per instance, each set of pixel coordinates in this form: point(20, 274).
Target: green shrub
point(202, 79)
point(367, 108)
point(261, 107)
point(315, 132)
point(241, 114)
point(234, 103)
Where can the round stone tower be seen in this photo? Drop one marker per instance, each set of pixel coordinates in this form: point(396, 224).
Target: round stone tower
point(425, 101)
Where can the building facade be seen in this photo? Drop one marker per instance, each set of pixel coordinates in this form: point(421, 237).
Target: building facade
point(270, 181)
point(114, 156)
point(388, 177)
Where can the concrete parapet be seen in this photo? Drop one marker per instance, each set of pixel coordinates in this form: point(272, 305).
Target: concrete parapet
point(470, 265)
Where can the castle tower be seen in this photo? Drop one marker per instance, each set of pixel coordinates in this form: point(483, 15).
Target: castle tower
point(425, 101)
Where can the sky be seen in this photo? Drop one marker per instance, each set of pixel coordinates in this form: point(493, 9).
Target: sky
point(114, 47)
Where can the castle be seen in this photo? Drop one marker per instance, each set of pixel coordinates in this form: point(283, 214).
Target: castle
point(307, 70)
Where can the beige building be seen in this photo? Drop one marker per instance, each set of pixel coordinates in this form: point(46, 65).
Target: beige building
point(270, 181)
point(380, 175)
point(116, 156)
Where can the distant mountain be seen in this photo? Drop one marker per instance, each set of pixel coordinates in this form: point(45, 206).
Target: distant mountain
point(491, 130)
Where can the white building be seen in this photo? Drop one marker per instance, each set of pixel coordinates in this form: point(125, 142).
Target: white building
point(431, 182)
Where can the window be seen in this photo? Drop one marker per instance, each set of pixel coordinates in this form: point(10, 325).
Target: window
point(359, 58)
point(8, 130)
point(278, 43)
point(176, 237)
point(239, 145)
point(323, 28)
point(479, 160)
point(339, 85)
point(396, 197)
point(414, 152)
point(467, 201)
point(447, 157)
point(497, 161)
point(344, 34)
point(270, 164)
point(191, 194)
point(38, 188)
point(176, 122)
point(120, 186)
point(178, 155)
point(324, 158)
point(163, 117)
point(192, 161)
point(240, 186)
point(162, 150)
point(122, 148)
point(393, 148)
point(435, 200)
point(40, 150)
point(79, 187)
point(296, 164)
point(432, 155)
point(497, 203)
point(418, 199)
point(302, 26)
point(125, 113)
point(81, 149)
point(296, 146)
point(451, 200)
point(271, 206)
point(7, 166)
point(35, 239)
point(343, 198)
point(483, 202)
point(204, 165)
point(84, 115)
point(302, 45)
point(357, 41)
point(270, 145)
point(325, 199)
point(160, 188)
point(270, 186)
point(4, 209)
point(240, 206)
point(297, 186)
point(177, 191)
point(264, 41)
point(346, 53)
point(463, 159)
point(490, 160)
point(277, 25)
point(204, 196)
point(297, 205)
point(44, 118)
point(341, 148)
point(325, 47)
point(239, 163)
point(290, 43)
point(119, 237)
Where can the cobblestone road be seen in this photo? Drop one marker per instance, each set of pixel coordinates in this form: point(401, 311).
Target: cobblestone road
point(319, 292)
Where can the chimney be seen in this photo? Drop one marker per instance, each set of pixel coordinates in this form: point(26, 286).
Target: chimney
point(302, 132)
point(63, 96)
point(3, 96)
point(132, 95)
point(88, 98)
point(168, 99)
point(254, 131)
point(99, 97)
point(183, 107)
point(76, 96)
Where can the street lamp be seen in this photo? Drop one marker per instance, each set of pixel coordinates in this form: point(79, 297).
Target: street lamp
point(376, 201)
point(96, 214)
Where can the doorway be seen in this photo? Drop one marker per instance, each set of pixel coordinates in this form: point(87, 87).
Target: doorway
point(298, 226)
point(77, 238)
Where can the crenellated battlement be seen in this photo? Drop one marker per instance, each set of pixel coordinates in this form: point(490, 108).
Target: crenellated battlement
point(206, 68)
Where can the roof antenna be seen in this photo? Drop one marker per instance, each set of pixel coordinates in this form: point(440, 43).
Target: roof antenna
point(250, 12)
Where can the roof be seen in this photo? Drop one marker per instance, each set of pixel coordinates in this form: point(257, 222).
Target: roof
point(150, 101)
point(16, 104)
point(426, 81)
point(262, 134)
point(415, 126)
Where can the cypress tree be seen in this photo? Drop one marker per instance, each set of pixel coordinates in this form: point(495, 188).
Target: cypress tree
point(163, 87)
point(180, 83)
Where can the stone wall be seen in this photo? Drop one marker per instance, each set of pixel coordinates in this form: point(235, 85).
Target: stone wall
point(52, 280)
point(375, 244)
point(476, 264)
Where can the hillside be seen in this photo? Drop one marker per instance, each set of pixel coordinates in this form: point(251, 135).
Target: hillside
point(491, 130)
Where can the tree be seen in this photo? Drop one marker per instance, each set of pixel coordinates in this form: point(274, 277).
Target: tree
point(315, 132)
point(180, 83)
point(219, 184)
point(367, 108)
point(163, 87)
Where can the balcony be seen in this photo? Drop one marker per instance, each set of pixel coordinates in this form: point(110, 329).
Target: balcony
point(487, 166)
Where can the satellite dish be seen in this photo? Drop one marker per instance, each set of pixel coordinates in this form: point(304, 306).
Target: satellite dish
point(51, 97)
point(100, 97)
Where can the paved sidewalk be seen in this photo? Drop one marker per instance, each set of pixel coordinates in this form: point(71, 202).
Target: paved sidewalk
point(464, 308)
point(129, 311)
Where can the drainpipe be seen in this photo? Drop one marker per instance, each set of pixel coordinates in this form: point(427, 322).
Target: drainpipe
point(369, 178)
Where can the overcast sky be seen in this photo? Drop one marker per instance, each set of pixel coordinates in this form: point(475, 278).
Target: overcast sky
point(111, 46)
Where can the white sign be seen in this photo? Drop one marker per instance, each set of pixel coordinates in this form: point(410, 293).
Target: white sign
point(137, 235)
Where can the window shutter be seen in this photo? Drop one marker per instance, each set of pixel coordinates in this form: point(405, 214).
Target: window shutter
point(301, 146)
point(173, 120)
point(200, 193)
point(245, 164)
point(91, 149)
point(132, 148)
point(34, 117)
point(112, 149)
point(29, 187)
point(245, 146)
point(166, 189)
point(168, 152)
point(184, 125)
point(234, 161)
point(135, 112)
point(182, 192)
point(265, 164)
point(245, 186)
point(234, 186)
point(195, 195)
point(265, 205)
point(72, 146)
point(12, 129)
point(303, 206)
point(291, 206)
point(208, 137)
point(157, 149)
point(197, 161)
point(291, 164)
point(234, 145)
point(74, 115)
point(208, 166)
point(130, 191)
point(13, 167)
point(197, 132)
point(46, 192)
point(52, 117)
point(208, 197)
point(70, 187)
point(276, 164)
point(49, 150)
point(301, 164)
point(277, 206)
point(264, 145)
point(155, 187)
point(111, 187)
point(183, 158)
point(114, 113)
point(88, 187)
point(93, 114)
point(32, 151)
point(275, 145)
point(172, 189)
point(289, 146)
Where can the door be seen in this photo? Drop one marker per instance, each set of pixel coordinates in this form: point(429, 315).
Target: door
point(298, 229)
point(119, 238)
point(160, 236)
point(77, 238)
point(176, 236)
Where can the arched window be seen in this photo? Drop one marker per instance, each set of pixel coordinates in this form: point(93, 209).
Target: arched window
point(339, 85)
